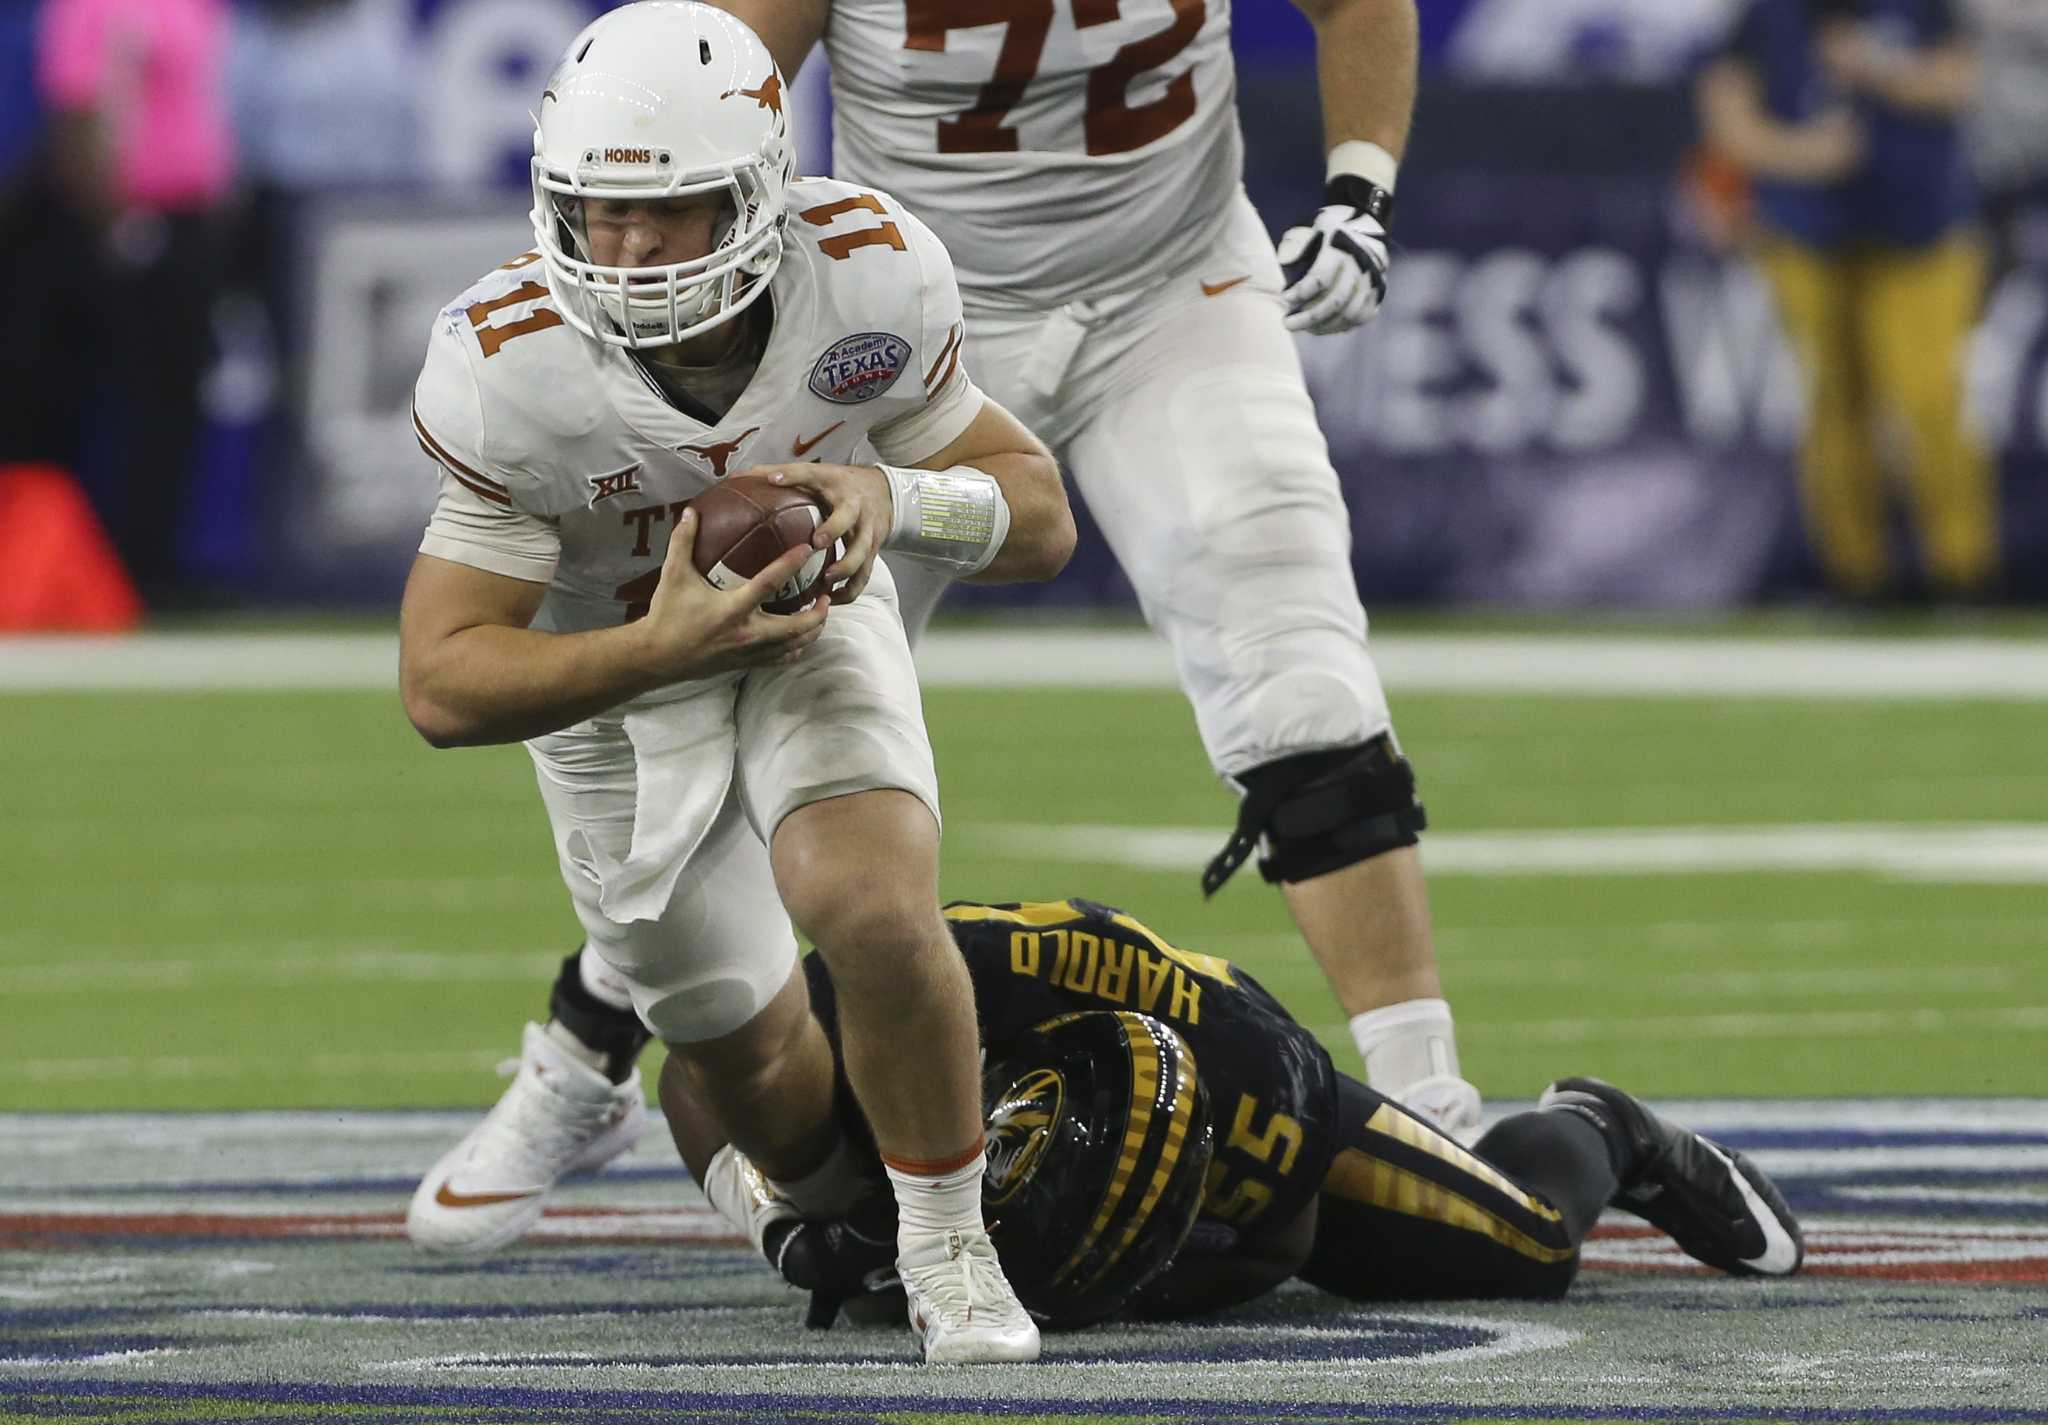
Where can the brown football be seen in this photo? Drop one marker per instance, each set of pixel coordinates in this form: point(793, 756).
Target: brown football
point(744, 523)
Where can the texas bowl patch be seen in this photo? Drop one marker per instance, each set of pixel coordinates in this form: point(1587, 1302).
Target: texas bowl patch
point(860, 368)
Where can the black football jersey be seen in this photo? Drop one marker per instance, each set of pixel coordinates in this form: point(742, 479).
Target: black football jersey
point(1272, 1089)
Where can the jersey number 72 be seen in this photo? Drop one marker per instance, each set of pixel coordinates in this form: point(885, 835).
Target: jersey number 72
point(1111, 123)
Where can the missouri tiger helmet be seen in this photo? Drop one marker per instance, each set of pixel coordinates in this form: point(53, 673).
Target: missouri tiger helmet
point(1099, 1142)
point(662, 100)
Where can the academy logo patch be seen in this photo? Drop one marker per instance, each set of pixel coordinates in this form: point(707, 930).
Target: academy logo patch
point(859, 368)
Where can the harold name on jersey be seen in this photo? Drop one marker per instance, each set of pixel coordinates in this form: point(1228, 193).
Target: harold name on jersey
point(860, 367)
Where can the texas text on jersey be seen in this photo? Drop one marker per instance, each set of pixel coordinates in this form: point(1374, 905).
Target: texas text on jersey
point(529, 418)
point(1272, 1090)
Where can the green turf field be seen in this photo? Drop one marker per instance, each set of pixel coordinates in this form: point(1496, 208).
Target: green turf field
point(1814, 922)
point(230, 899)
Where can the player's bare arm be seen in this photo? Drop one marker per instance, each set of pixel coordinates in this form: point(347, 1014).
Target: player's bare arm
point(1336, 263)
point(1366, 57)
point(1041, 535)
point(788, 27)
point(471, 672)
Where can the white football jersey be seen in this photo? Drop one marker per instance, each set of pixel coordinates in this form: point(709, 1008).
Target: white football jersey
point(561, 462)
point(1061, 148)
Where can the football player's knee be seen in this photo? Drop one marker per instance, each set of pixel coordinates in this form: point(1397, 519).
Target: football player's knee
point(879, 938)
point(1322, 811)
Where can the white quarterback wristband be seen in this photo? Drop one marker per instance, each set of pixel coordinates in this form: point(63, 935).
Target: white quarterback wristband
point(955, 519)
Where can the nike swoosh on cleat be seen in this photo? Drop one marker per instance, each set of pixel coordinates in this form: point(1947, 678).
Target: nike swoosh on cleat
point(1780, 1254)
point(1217, 289)
point(448, 1197)
point(800, 446)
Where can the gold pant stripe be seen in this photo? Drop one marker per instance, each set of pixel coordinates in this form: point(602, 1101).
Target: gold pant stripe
point(1393, 1123)
point(1378, 1183)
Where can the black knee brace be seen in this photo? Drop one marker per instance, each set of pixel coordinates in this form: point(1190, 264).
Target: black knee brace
point(617, 1034)
point(1321, 811)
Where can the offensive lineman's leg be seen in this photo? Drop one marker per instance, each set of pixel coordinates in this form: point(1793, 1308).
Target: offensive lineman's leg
point(1211, 480)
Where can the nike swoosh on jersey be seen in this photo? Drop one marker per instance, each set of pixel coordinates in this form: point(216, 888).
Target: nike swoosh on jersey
point(448, 1197)
point(1217, 289)
point(800, 446)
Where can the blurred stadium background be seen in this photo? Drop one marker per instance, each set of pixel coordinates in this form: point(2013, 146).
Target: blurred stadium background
point(1576, 416)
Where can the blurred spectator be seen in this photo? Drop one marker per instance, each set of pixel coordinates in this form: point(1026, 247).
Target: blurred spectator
point(1846, 114)
point(325, 94)
point(325, 100)
point(2009, 130)
point(112, 240)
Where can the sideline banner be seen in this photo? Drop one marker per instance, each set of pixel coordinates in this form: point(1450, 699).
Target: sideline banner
point(1571, 399)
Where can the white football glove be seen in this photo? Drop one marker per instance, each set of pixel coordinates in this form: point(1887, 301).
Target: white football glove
point(1336, 265)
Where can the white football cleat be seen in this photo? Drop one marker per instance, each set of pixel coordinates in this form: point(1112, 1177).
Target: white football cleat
point(1447, 1103)
point(560, 1116)
point(961, 1304)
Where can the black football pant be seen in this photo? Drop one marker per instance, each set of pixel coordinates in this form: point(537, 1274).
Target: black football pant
point(1406, 1214)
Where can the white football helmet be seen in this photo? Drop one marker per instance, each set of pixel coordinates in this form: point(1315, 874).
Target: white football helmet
point(662, 99)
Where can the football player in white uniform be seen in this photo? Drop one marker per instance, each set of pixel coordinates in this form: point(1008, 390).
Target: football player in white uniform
point(712, 772)
point(1081, 159)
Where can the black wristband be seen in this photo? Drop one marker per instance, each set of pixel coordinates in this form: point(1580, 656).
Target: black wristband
point(1362, 195)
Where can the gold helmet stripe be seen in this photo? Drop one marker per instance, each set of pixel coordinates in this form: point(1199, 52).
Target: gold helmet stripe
point(1145, 1056)
point(1182, 1116)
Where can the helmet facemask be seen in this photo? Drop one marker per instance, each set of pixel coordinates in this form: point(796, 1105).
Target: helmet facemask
point(664, 303)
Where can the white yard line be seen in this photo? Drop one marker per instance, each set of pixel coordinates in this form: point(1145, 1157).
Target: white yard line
point(241, 1066)
point(1915, 668)
point(1754, 1024)
point(1968, 852)
point(324, 963)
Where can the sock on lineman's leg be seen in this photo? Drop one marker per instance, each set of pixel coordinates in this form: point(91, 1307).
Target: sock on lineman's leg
point(934, 1198)
point(1411, 1054)
point(1403, 1044)
point(591, 1016)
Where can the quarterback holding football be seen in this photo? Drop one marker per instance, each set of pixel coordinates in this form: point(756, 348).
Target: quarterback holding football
point(713, 770)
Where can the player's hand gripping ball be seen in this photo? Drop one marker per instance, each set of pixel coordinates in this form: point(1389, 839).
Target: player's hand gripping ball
point(745, 523)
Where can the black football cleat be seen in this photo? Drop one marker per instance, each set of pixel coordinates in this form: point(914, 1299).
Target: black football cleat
point(1715, 1203)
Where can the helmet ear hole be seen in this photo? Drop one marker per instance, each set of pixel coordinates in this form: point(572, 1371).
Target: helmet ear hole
point(1099, 1148)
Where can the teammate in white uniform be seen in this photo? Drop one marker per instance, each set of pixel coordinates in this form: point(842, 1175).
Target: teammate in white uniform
point(712, 771)
point(1081, 160)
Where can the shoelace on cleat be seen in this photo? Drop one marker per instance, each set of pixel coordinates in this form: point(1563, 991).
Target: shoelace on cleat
point(950, 1294)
